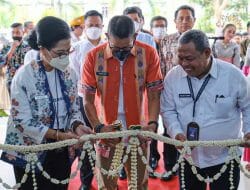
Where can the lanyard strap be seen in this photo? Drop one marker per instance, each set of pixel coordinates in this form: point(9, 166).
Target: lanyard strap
point(195, 99)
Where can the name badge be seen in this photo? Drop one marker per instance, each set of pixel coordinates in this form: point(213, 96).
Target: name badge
point(102, 73)
point(184, 95)
point(193, 131)
point(41, 97)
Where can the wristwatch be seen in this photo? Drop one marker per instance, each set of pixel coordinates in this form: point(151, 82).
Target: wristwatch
point(99, 127)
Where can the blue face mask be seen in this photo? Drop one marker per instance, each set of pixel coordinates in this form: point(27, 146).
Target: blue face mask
point(121, 55)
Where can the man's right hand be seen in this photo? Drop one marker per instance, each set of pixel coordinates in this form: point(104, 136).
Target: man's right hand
point(15, 44)
point(110, 142)
point(13, 47)
point(180, 137)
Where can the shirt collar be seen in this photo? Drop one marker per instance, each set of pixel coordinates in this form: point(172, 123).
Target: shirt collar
point(213, 70)
point(108, 51)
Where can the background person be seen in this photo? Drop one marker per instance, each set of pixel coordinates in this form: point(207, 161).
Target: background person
point(93, 25)
point(14, 53)
point(158, 27)
point(226, 49)
point(76, 26)
point(28, 27)
point(184, 18)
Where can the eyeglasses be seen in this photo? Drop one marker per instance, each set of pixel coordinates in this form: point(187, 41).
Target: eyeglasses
point(62, 54)
point(187, 19)
point(114, 48)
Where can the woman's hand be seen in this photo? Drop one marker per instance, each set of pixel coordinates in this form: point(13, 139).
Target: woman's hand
point(66, 135)
point(83, 130)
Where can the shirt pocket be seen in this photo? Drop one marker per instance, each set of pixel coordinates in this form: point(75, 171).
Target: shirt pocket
point(223, 107)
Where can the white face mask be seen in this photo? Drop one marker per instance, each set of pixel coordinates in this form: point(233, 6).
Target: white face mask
point(159, 32)
point(93, 33)
point(137, 26)
point(60, 63)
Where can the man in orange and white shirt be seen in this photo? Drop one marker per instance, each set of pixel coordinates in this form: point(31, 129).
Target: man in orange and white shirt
point(117, 74)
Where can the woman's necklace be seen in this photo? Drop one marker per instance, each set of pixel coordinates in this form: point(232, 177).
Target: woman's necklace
point(225, 44)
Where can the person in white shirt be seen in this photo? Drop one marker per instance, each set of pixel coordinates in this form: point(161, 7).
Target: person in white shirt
point(76, 26)
point(158, 27)
point(246, 67)
point(211, 95)
point(31, 54)
point(93, 25)
point(135, 13)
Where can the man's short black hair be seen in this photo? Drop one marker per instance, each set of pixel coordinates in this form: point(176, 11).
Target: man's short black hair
point(93, 13)
point(198, 37)
point(121, 27)
point(191, 9)
point(158, 18)
point(16, 24)
point(133, 10)
point(26, 24)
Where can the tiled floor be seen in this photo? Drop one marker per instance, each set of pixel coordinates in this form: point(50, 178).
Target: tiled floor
point(6, 170)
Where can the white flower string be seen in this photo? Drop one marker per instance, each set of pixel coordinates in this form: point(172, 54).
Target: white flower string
point(231, 175)
point(32, 158)
point(174, 169)
point(118, 164)
point(232, 155)
point(60, 144)
point(243, 170)
point(23, 180)
point(64, 181)
point(182, 175)
point(134, 144)
point(91, 154)
point(117, 159)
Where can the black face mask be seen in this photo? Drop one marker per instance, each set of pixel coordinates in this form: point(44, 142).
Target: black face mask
point(17, 38)
point(121, 55)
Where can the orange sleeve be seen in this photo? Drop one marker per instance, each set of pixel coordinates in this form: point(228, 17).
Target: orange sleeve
point(154, 76)
point(88, 79)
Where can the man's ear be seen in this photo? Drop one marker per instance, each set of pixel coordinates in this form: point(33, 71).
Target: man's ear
point(135, 35)
point(107, 35)
point(207, 52)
